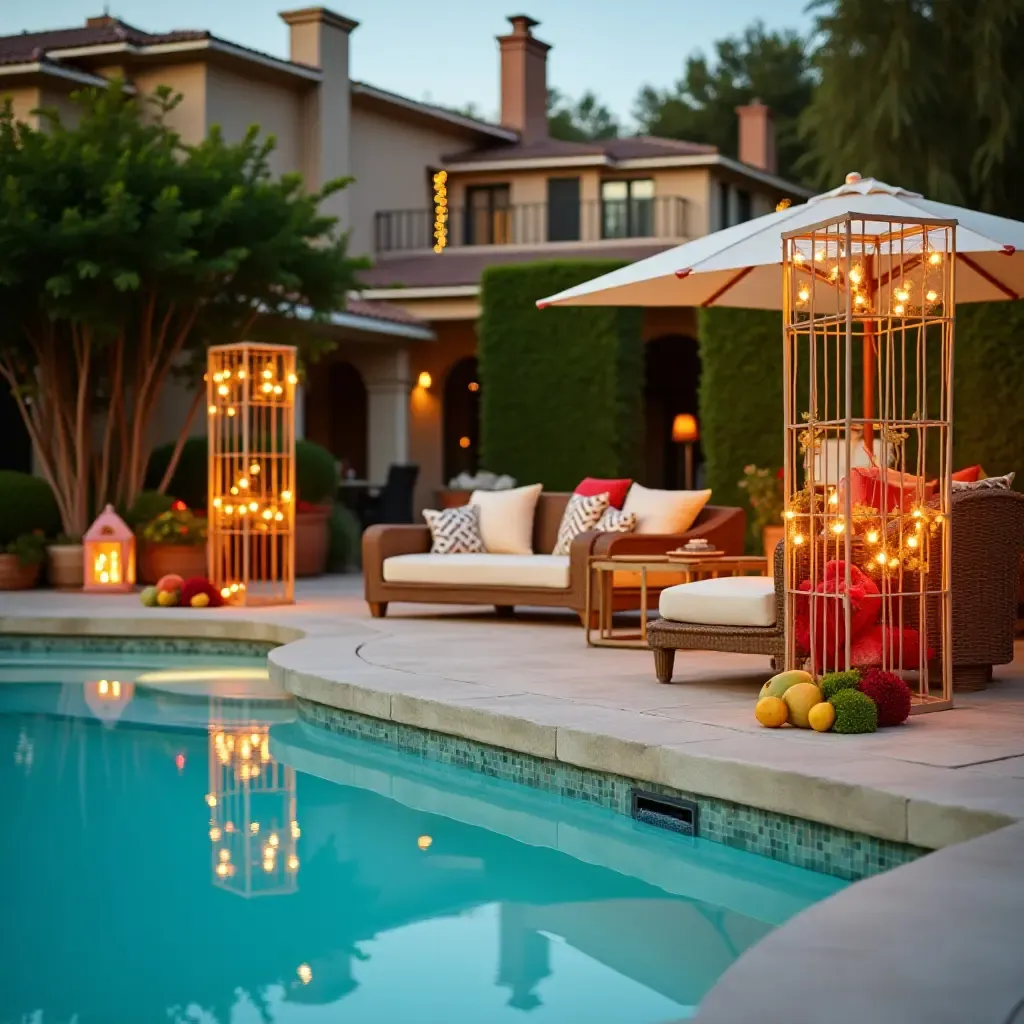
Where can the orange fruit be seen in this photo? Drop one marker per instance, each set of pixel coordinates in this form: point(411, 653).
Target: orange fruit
point(771, 712)
point(821, 717)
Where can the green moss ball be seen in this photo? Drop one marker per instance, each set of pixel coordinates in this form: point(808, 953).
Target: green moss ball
point(855, 712)
point(832, 682)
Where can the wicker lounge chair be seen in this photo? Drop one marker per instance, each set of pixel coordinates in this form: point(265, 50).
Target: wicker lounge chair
point(988, 541)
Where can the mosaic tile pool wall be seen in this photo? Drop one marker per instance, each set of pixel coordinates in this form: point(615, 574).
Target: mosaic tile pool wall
point(15, 644)
point(807, 844)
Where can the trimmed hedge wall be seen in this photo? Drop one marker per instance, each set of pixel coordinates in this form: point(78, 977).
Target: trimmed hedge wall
point(561, 389)
point(741, 392)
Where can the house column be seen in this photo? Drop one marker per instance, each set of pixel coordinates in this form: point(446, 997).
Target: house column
point(387, 397)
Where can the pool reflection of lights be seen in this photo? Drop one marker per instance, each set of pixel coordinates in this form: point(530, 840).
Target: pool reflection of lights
point(194, 675)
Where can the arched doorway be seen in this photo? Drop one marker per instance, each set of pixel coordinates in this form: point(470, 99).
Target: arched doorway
point(336, 413)
point(461, 419)
point(672, 371)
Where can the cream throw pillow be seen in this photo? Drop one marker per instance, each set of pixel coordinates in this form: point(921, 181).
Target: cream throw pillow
point(664, 511)
point(506, 519)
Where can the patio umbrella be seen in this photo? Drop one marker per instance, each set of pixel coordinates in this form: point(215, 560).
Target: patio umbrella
point(740, 266)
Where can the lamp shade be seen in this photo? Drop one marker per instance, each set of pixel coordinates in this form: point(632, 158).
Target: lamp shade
point(684, 428)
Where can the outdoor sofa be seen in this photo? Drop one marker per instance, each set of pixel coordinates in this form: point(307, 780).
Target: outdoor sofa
point(398, 566)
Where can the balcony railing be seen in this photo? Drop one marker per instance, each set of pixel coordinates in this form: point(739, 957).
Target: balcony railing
point(591, 220)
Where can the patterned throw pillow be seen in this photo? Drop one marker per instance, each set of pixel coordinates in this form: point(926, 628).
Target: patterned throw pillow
point(455, 531)
point(615, 520)
point(581, 514)
point(990, 483)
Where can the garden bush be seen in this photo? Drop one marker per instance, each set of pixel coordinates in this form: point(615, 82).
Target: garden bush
point(562, 389)
point(316, 474)
point(146, 507)
point(26, 504)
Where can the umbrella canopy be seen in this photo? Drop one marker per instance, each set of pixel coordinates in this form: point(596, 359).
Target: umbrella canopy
point(741, 266)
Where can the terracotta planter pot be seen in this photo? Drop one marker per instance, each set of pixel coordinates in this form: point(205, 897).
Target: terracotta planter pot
point(772, 537)
point(311, 541)
point(157, 560)
point(15, 576)
point(65, 568)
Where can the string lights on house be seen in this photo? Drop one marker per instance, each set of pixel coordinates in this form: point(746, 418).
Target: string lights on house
point(440, 210)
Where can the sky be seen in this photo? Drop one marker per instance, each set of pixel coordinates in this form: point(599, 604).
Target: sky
point(444, 52)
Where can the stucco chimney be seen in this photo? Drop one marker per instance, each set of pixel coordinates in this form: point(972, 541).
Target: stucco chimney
point(319, 38)
point(757, 136)
point(524, 80)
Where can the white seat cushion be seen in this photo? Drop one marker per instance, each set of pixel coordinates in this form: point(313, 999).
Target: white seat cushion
point(480, 570)
point(729, 601)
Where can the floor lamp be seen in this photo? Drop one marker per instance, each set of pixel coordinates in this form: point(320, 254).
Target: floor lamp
point(686, 434)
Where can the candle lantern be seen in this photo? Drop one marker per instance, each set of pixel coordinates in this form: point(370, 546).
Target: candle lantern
point(109, 553)
point(868, 319)
point(251, 417)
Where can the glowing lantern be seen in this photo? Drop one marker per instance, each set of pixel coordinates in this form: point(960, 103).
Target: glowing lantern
point(109, 552)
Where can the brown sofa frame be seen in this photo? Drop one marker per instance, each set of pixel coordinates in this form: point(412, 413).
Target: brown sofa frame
point(724, 526)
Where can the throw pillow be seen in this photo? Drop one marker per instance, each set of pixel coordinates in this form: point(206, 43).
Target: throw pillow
point(581, 514)
point(615, 489)
point(506, 518)
point(970, 475)
point(664, 511)
point(615, 520)
point(990, 483)
point(866, 488)
point(455, 531)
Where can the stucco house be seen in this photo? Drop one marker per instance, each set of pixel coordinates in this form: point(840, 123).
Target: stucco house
point(514, 194)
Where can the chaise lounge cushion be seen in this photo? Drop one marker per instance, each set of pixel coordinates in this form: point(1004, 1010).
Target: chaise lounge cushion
point(729, 601)
point(487, 570)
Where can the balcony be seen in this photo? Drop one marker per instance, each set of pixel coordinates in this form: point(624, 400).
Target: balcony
point(536, 224)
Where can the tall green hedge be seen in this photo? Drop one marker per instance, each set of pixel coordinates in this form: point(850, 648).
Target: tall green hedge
point(741, 391)
point(562, 389)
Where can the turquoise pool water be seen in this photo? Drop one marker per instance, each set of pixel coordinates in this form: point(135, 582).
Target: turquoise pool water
point(179, 848)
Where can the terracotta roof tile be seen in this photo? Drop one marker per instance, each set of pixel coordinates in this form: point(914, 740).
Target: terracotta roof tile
point(31, 46)
point(452, 268)
point(376, 310)
point(628, 148)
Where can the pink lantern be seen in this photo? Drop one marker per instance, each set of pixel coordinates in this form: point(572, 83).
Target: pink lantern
point(109, 554)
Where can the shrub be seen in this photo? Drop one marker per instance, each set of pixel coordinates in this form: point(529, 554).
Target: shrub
point(562, 389)
point(29, 547)
point(146, 507)
point(344, 540)
point(890, 694)
point(855, 712)
point(833, 682)
point(27, 504)
point(315, 472)
point(176, 526)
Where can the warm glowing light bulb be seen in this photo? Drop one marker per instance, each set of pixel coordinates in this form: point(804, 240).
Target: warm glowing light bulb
point(292, 379)
point(901, 294)
point(267, 374)
point(268, 866)
point(898, 309)
point(296, 831)
point(254, 469)
point(267, 387)
point(222, 870)
point(838, 528)
point(931, 295)
point(893, 562)
point(224, 855)
point(872, 536)
point(223, 389)
point(798, 257)
point(820, 254)
point(272, 839)
point(860, 300)
point(305, 974)
point(424, 842)
point(278, 516)
point(798, 539)
point(278, 389)
point(881, 558)
point(473, 386)
point(833, 498)
point(214, 835)
point(231, 410)
point(225, 592)
point(212, 410)
point(241, 374)
point(293, 863)
point(243, 482)
point(790, 513)
point(935, 259)
point(234, 588)
point(211, 800)
point(267, 514)
point(217, 502)
point(911, 542)
point(917, 513)
point(803, 294)
point(464, 442)
point(253, 506)
point(856, 275)
point(286, 495)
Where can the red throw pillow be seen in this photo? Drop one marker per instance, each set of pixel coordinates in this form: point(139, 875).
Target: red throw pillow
point(970, 475)
point(830, 618)
point(866, 488)
point(615, 489)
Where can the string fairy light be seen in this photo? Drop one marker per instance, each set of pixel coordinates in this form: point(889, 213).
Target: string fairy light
point(440, 210)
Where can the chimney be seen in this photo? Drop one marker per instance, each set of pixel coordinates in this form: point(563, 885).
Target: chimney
point(319, 38)
point(757, 136)
point(524, 80)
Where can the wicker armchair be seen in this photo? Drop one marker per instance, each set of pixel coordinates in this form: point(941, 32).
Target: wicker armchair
point(988, 542)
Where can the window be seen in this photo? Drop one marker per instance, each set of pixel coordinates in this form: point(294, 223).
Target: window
point(724, 214)
point(563, 209)
point(488, 215)
point(627, 208)
point(742, 205)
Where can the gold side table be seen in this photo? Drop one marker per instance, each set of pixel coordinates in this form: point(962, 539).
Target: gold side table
point(600, 577)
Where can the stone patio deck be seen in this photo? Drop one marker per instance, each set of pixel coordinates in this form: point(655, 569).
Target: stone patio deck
point(936, 940)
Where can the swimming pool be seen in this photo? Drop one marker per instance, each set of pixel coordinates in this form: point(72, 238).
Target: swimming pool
point(180, 848)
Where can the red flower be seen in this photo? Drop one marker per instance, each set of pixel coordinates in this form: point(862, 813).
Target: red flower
point(182, 529)
point(179, 506)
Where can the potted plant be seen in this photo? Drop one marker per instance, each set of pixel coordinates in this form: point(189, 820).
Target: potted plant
point(64, 567)
point(21, 561)
point(764, 489)
point(174, 542)
point(316, 480)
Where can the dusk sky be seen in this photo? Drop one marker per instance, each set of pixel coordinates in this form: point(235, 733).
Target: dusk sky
point(445, 52)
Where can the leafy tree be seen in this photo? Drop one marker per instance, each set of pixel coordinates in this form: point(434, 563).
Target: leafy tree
point(701, 107)
point(928, 94)
point(585, 120)
point(124, 254)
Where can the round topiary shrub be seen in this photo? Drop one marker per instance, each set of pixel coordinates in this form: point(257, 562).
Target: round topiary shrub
point(26, 504)
point(833, 682)
point(146, 507)
point(890, 694)
point(189, 480)
point(316, 473)
point(855, 712)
